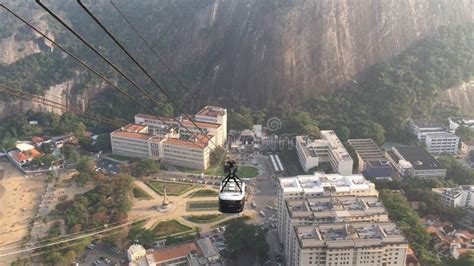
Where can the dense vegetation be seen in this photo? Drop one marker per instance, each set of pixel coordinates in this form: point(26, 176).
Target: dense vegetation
point(17, 127)
point(379, 105)
point(144, 168)
point(108, 203)
point(409, 222)
point(239, 234)
point(59, 254)
point(456, 171)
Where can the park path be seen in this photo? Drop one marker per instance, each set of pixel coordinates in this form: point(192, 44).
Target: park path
point(179, 208)
point(147, 189)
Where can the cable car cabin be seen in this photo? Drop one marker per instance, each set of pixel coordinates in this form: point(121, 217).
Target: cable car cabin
point(231, 198)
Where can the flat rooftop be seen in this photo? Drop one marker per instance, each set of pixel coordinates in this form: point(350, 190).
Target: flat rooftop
point(335, 144)
point(310, 147)
point(418, 157)
point(336, 207)
point(442, 135)
point(211, 111)
point(426, 124)
point(355, 234)
point(322, 183)
point(367, 149)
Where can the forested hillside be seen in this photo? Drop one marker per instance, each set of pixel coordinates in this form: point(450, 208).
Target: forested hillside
point(387, 94)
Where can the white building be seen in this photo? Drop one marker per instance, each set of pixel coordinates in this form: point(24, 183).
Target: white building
point(179, 149)
point(316, 185)
point(216, 115)
point(415, 161)
point(436, 137)
point(439, 143)
point(134, 252)
point(355, 243)
point(327, 149)
point(420, 128)
point(134, 141)
point(165, 139)
point(456, 197)
point(328, 209)
point(455, 122)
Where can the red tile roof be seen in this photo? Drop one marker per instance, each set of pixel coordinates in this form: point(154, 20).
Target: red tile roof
point(25, 155)
point(134, 127)
point(177, 251)
point(211, 112)
point(37, 139)
point(201, 142)
point(131, 135)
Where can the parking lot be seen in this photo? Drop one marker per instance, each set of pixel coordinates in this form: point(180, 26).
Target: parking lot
point(107, 166)
point(99, 254)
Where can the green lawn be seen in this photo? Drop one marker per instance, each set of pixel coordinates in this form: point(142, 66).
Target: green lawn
point(172, 227)
point(245, 171)
point(227, 222)
point(139, 193)
point(204, 193)
point(204, 219)
point(172, 188)
point(202, 205)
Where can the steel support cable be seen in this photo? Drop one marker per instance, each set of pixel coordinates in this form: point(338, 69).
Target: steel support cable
point(6, 247)
point(97, 21)
point(105, 231)
point(77, 59)
point(83, 63)
point(56, 17)
point(170, 70)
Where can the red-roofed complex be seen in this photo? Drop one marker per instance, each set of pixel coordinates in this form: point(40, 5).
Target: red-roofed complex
point(163, 138)
point(200, 252)
point(23, 157)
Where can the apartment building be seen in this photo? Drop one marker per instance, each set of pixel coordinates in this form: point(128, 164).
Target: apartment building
point(327, 149)
point(461, 196)
point(436, 137)
point(328, 209)
point(372, 160)
point(354, 243)
point(317, 185)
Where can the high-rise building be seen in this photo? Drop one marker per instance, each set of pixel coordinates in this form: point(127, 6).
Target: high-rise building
point(312, 152)
point(355, 243)
point(331, 219)
point(316, 185)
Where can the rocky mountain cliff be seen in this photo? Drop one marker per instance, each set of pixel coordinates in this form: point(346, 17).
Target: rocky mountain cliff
point(260, 52)
point(288, 50)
